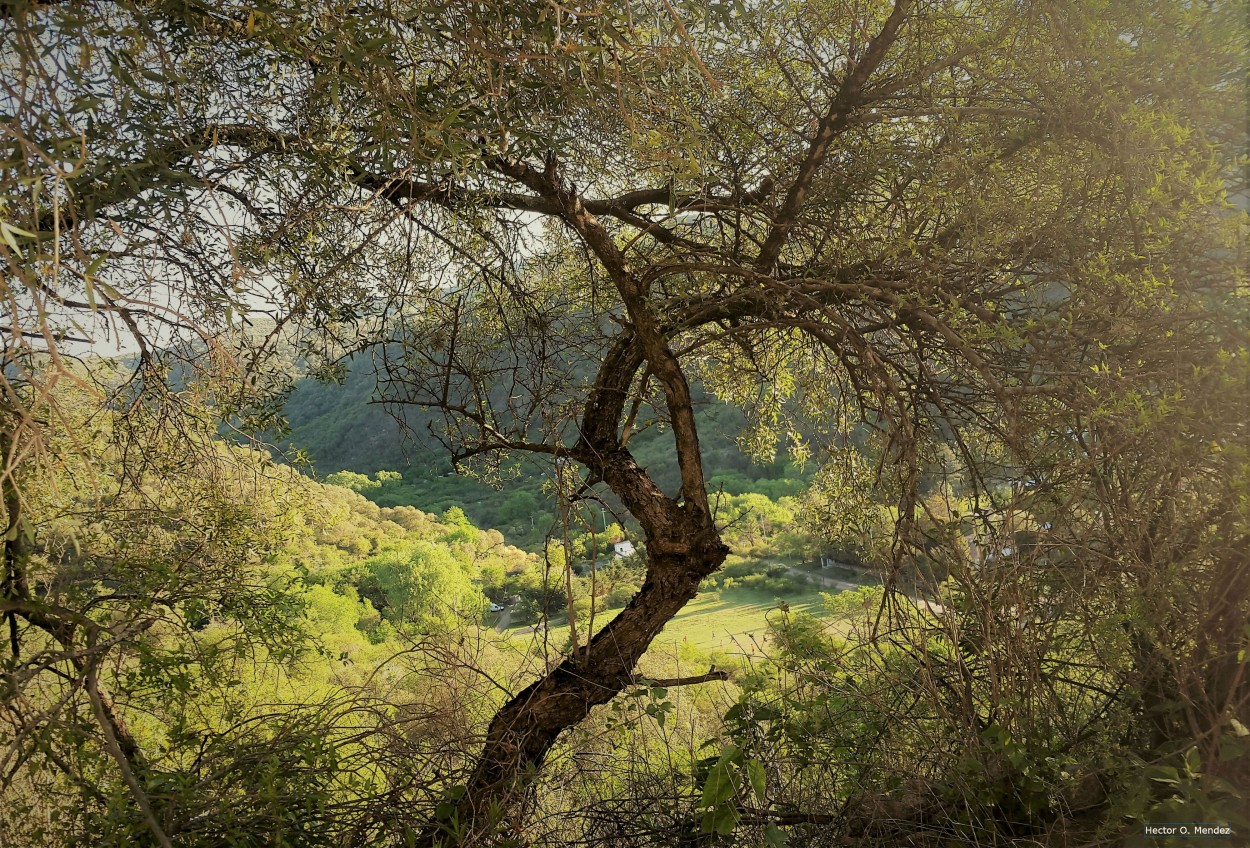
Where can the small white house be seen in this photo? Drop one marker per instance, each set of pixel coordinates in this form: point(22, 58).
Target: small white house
point(623, 549)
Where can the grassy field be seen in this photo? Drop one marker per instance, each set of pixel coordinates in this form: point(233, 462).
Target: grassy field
point(733, 621)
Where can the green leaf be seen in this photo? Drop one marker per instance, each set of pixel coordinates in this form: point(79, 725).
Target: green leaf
point(19, 231)
point(755, 773)
point(95, 265)
point(8, 231)
point(1163, 774)
point(776, 837)
point(721, 784)
point(725, 819)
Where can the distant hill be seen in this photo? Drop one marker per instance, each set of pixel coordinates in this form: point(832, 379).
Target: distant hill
point(340, 428)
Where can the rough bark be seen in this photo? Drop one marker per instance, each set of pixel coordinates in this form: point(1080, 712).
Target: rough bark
point(526, 728)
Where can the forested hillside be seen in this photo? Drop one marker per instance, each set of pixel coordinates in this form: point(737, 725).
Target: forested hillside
point(266, 591)
point(344, 427)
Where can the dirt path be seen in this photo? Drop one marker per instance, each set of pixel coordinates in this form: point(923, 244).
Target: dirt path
point(827, 582)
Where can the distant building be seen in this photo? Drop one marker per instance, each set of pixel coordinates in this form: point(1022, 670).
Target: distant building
point(623, 549)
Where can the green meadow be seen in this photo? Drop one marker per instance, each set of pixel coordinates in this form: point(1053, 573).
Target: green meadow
point(730, 621)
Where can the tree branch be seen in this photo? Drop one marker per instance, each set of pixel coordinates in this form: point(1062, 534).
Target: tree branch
point(669, 682)
point(835, 119)
point(108, 721)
